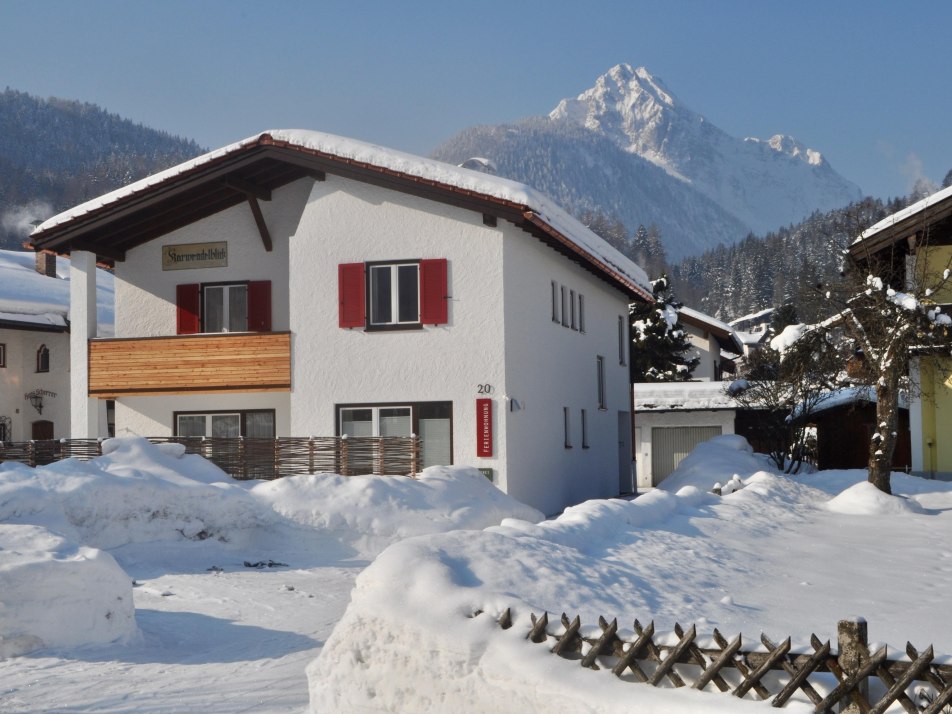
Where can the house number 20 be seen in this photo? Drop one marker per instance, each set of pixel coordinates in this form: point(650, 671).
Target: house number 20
point(484, 389)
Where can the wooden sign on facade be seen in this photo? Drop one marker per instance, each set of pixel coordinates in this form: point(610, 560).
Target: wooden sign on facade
point(195, 255)
point(484, 427)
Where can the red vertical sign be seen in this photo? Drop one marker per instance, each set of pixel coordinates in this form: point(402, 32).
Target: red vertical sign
point(484, 427)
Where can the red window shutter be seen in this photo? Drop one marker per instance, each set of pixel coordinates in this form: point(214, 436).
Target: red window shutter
point(433, 292)
point(188, 300)
point(350, 292)
point(259, 306)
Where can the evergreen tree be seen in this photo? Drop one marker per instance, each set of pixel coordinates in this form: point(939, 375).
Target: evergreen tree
point(661, 351)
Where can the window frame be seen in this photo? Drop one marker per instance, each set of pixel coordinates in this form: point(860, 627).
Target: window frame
point(42, 359)
point(242, 414)
point(567, 427)
point(415, 409)
point(601, 392)
point(226, 305)
point(394, 266)
point(3, 354)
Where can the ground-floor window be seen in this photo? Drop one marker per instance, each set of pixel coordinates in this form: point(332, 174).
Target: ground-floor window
point(252, 423)
point(431, 421)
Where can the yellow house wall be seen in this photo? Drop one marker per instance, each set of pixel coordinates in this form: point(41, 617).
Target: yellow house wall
point(936, 405)
point(937, 259)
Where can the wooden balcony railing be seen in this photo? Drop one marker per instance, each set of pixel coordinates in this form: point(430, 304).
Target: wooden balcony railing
point(201, 364)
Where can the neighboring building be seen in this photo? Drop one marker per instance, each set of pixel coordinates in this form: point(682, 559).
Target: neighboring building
point(671, 418)
point(918, 241)
point(297, 283)
point(716, 345)
point(34, 345)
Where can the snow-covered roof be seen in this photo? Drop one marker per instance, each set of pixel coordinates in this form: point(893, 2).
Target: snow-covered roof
point(545, 213)
point(681, 396)
point(751, 338)
point(863, 394)
point(30, 299)
point(905, 213)
point(725, 334)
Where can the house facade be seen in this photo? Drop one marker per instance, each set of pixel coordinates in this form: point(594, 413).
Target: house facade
point(35, 349)
point(298, 284)
point(916, 242)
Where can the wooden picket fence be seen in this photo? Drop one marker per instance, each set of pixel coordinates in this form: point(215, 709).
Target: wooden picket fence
point(847, 677)
point(251, 458)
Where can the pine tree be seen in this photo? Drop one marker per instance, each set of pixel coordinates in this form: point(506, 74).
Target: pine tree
point(661, 352)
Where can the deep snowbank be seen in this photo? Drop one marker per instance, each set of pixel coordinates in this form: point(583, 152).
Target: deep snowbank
point(410, 640)
point(54, 593)
point(58, 590)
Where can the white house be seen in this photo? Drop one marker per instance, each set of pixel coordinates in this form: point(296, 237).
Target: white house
point(34, 345)
point(297, 283)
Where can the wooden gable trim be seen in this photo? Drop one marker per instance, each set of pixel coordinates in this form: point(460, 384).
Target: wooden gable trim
point(259, 221)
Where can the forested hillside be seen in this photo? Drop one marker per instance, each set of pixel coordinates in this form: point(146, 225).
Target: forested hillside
point(56, 153)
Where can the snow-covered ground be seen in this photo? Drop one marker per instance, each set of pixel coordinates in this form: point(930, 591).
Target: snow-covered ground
point(365, 617)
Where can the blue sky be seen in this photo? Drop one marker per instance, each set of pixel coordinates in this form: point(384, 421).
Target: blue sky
point(866, 83)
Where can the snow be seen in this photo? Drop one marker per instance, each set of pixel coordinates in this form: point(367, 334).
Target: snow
point(28, 297)
point(478, 182)
point(376, 609)
point(907, 212)
point(681, 396)
point(788, 338)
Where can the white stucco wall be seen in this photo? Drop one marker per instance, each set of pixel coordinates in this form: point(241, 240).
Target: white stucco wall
point(646, 421)
point(350, 222)
point(152, 416)
point(20, 377)
point(145, 294)
point(550, 367)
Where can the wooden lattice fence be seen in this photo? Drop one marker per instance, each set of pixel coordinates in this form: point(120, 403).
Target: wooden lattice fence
point(853, 677)
point(250, 458)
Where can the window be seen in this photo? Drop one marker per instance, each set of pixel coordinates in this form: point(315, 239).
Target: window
point(431, 421)
point(43, 359)
point(223, 307)
point(568, 307)
point(584, 429)
point(393, 295)
point(222, 424)
point(3, 357)
point(622, 340)
point(600, 377)
point(567, 427)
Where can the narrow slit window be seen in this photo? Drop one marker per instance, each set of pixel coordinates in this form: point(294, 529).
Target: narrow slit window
point(621, 341)
point(565, 307)
point(572, 303)
point(581, 312)
point(600, 377)
point(555, 302)
point(584, 429)
point(567, 427)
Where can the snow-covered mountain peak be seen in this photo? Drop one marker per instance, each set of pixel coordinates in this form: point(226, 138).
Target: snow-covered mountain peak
point(790, 146)
point(624, 104)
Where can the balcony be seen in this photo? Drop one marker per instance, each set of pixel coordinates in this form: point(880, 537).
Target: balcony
point(194, 364)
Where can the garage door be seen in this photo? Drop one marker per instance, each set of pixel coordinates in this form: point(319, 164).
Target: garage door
point(669, 446)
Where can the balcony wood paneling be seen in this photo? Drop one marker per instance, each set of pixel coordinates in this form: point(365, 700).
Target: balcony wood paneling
point(194, 364)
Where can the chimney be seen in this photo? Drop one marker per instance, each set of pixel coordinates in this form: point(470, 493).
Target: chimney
point(46, 263)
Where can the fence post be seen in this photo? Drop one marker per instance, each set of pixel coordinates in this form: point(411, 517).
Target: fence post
point(344, 460)
point(853, 639)
point(414, 454)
